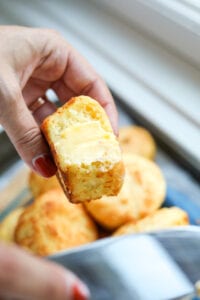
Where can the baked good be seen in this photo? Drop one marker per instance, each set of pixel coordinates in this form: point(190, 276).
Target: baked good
point(142, 193)
point(8, 225)
point(51, 224)
point(137, 140)
point(160, 219)
point(39, 185)
point(85, 150)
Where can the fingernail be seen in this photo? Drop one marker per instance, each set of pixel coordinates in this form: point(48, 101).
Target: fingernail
point(44, 165)
point(80, 292)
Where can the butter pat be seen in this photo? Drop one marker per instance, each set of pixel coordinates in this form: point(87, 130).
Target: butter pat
point(87, 143)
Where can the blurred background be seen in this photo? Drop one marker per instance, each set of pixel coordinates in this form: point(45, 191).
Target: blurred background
point(148, 53)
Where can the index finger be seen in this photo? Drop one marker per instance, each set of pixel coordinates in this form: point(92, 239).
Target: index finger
point(79, 78)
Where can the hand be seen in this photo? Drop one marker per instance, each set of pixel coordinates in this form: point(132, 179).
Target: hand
point(22, 276)
point(32, 61)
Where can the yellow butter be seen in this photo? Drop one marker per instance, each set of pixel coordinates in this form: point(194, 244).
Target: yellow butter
point(87, 143)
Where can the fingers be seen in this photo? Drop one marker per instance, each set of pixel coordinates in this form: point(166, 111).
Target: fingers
point(79, 78)
point(23, 276)
point(42, 108)
point(23, 130)
point(48, 61)
point(45, 60)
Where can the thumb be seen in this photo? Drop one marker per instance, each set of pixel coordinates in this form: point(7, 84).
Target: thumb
point(25, 134)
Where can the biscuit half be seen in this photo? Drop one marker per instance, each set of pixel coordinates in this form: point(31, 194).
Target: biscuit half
point(85, 150)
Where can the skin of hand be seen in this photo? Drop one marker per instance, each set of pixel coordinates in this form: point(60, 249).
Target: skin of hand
point(32, 61)
point(23, 276)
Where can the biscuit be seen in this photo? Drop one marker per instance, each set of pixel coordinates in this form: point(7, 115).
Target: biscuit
point(51, 224)
point(8, 225)
point(137, 140)
point(161, 219)
point(39, 185)
point(85, 150)
point(142, 193)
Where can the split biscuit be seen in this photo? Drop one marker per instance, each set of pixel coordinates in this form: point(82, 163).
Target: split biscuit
point(85, 150)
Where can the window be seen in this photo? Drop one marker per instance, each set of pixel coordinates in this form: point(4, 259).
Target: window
point(176, 23)
point(147, 51)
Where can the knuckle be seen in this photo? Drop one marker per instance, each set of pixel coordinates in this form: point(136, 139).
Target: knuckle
point(89, 86)
point(9, 99)
point(31, 137)
point(52, 32)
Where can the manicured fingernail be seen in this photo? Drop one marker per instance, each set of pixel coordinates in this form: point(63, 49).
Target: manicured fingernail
point(44, 165)
point(80, 292)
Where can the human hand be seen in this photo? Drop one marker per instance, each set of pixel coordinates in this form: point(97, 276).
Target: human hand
point(23, 276)
point(32, 61)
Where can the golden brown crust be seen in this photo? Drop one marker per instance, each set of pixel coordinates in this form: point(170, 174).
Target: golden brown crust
point(8, 225)
point(148, 177)
point(39, 185)
point(52, 223)
point(142, 193)
point(161, 219)
point(86, 180)
point(137, 140)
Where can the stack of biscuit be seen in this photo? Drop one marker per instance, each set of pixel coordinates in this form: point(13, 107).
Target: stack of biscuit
point(91, 176)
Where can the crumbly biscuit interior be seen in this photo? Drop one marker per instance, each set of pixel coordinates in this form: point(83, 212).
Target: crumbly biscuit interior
point(81, 136)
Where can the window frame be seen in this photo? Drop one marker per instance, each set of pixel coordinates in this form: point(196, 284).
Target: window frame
point(175, 23)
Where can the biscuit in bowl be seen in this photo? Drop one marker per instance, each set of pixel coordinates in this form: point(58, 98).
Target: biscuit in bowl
point(142, 193)
point(137, 140)
point(8, 225)
point(39, 185)
point(85, 150)
point(161, 219)
point(52, 223)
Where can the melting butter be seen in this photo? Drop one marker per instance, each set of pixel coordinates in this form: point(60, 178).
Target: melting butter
point(87, 143)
